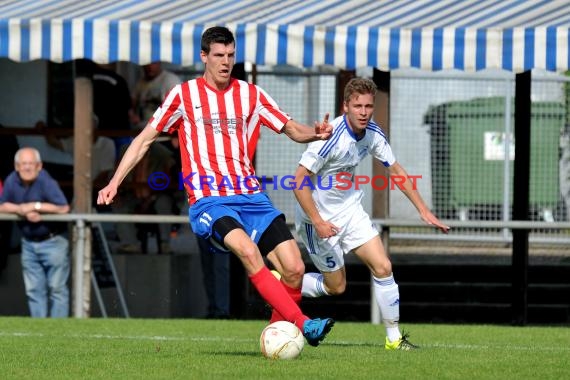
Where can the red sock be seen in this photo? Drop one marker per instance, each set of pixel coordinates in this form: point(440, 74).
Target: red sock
point(273, 292)
point(295, 295)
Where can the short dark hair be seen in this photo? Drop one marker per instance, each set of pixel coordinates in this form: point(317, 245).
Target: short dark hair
point(216, 35)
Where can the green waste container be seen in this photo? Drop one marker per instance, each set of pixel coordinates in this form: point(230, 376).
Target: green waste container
point(468, 153)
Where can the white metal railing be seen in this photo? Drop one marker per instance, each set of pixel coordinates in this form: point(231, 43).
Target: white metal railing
point(388, 222)
point(81, 222)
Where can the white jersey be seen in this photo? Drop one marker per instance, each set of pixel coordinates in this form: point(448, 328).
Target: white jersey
point(334, 163)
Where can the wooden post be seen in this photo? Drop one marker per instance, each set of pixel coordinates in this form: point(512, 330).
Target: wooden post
point(82, 189)
point(342, 79)
point(380, 199)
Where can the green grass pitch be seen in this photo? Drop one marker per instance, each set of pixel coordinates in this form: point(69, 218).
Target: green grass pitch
point(208, 349)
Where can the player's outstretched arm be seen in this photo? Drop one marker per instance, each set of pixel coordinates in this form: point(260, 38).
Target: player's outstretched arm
point(134, 153)
point(303, 134)
point(409, 189)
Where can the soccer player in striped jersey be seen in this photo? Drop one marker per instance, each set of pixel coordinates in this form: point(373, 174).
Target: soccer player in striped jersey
point(330, 218)
point(218, 118)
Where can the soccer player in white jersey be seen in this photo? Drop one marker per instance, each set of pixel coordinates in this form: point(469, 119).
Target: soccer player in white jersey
point(218, 118)
point(330, 219)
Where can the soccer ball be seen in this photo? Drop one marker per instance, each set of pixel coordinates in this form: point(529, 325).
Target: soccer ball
point(281, 340)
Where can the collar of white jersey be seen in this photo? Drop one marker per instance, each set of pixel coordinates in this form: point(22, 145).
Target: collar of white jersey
point(351, 132)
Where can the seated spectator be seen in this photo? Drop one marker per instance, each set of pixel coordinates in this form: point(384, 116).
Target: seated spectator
point(216, 275)
point(138, 197)
point(180, 197)
point(112, 102)
point(150, 91)
point(103, 157)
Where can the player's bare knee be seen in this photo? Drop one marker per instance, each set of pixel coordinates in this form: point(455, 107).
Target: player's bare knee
point(294, 270)
point(294, 275)
point(382, 270)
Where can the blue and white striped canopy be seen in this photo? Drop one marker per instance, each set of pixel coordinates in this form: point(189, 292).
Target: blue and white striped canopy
point(514, 35)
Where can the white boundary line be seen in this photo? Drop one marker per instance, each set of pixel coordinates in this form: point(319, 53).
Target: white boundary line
point(329, 342)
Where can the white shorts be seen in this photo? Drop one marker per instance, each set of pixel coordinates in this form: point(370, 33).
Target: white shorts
point(328, 254)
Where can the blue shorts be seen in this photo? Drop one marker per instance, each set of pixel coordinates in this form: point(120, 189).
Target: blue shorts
point(255, 212)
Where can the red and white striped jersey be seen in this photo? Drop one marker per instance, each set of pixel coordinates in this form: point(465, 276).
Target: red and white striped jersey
point(218, 133)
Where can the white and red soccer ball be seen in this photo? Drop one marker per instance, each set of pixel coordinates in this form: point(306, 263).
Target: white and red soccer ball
point(281, 340)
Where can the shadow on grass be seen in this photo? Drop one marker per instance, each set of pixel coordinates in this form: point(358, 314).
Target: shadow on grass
point(353, 344)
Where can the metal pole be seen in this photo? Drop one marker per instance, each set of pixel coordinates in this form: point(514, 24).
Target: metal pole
point(118, 284)
point(507, 162)
point(97, 292)
point(78, 273)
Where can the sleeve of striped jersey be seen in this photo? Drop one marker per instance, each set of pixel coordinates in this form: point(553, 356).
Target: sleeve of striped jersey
point(382, 151)
point(168, 117)
point(269, 112)
point(311, 158)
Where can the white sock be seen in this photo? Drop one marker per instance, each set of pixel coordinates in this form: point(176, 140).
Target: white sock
point(313, 285)
point(388, 300)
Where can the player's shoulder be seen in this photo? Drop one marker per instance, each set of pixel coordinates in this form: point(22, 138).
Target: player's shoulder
point(339, 127)
point(338, 121)
point(376, 131)
point(241, 83)
point(336, 141)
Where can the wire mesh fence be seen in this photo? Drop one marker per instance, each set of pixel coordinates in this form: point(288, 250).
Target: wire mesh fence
point(454, 130)
point(451, 131)
point(306, 96)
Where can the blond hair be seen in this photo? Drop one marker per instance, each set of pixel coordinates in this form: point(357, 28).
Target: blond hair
point(360, 86)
